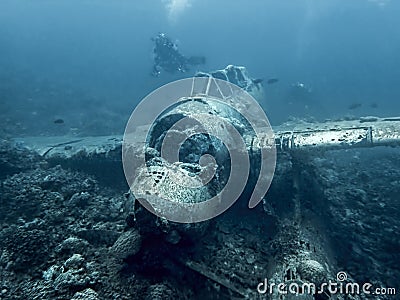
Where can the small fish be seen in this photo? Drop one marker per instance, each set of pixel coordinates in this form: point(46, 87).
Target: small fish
point(374, 105)
point(258, 80)
point(272, 80)
point(354, 105)
point(58, 121)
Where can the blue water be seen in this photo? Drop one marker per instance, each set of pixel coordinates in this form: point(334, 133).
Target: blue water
point(80, 60)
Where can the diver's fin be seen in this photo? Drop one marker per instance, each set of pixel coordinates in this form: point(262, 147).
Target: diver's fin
point(196, 60)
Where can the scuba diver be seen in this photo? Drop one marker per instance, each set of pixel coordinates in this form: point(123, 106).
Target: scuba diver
point(168, 58)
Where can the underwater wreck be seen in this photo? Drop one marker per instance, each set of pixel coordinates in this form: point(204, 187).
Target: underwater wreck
point(326, 213)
